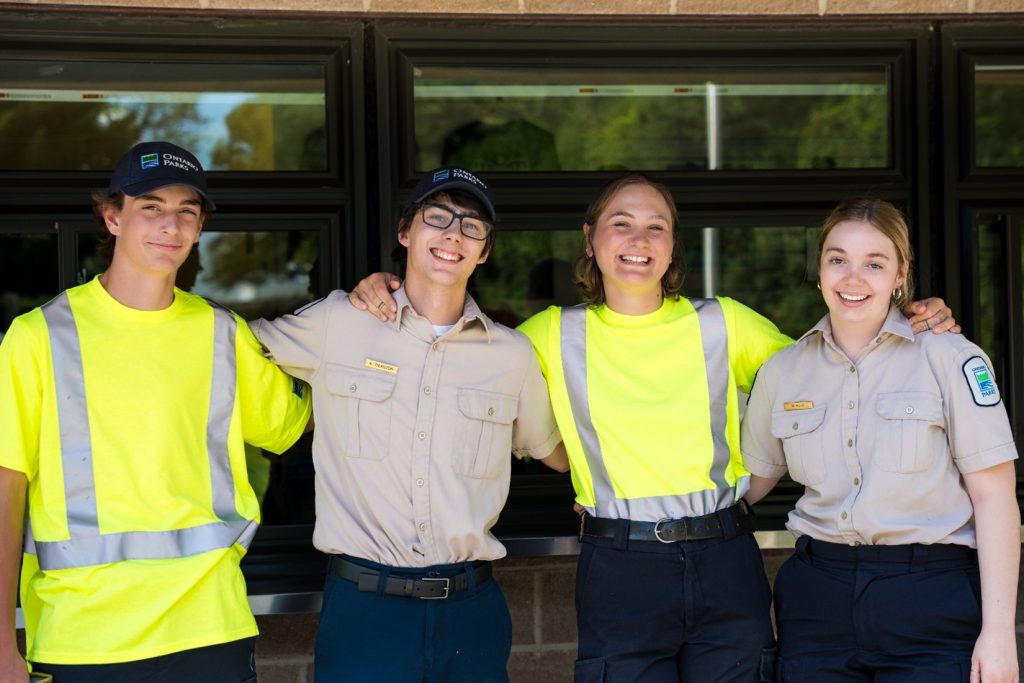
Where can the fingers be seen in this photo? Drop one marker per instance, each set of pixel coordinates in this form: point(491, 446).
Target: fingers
point(373, 294)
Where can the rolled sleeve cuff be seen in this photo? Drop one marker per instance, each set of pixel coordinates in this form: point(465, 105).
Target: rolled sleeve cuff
point(543, 449)
point(977, 462)
point(761, 468)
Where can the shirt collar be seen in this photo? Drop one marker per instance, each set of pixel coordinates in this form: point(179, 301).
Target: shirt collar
point(470, 313)
point(895, 323)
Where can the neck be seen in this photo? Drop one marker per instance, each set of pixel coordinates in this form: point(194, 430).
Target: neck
point(628, 303)
point(144, 293)
point(853, 338)
point(440, 305)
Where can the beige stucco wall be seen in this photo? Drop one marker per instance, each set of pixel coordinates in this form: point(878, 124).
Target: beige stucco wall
point(730, 8)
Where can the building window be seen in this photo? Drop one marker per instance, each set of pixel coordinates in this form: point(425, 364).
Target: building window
point(655, 118)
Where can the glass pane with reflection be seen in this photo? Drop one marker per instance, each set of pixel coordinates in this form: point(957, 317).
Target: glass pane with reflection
point(256, 274)
point(773, 270)
point(589, 119)
point(28, 273)
point(61, 115)
point(998, 102)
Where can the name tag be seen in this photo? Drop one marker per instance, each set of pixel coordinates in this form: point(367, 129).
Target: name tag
point(798, 405)
point(377, 365)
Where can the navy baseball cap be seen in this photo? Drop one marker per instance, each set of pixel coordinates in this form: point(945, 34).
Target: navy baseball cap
point(454, 178)
point(151, 165)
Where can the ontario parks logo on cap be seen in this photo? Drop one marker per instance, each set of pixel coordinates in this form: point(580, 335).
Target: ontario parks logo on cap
point(150, 160)
point(440, 175)
point(982, 384)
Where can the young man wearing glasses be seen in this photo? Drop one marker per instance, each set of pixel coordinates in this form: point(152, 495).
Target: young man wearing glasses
point(415, 423)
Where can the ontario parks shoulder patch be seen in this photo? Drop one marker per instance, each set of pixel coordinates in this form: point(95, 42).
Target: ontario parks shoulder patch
point(981, 382)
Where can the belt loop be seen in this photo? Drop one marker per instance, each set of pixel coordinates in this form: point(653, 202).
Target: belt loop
point(470, 575)
point(919, 558)
point(728, 522)
point(621, 539)
point(583, 524)
point(801, 548)
point(382, 580)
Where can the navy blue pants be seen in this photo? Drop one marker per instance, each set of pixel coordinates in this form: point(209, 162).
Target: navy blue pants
point(232, 662)
point(662, 613)
point(364, 637)
point(860, 619)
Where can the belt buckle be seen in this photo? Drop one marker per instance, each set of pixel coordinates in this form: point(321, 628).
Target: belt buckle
point(657, 530)
point(447, 587)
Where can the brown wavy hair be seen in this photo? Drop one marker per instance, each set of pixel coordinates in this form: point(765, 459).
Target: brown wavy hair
point(587, 274)
point(889, 221)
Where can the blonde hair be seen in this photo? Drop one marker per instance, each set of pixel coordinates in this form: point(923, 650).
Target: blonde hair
point(889, 221)
point(587, 274)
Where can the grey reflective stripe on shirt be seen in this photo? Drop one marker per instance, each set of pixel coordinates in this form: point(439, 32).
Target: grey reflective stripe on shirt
point(86, 545)
point(714, 341)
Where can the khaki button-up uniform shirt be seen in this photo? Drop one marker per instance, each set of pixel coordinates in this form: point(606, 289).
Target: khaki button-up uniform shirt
point(879, 443)
point(413, 434)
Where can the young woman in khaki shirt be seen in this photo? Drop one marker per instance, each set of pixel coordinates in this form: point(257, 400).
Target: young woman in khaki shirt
point(908, 549)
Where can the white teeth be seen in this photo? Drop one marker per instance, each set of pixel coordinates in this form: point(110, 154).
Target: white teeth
point(852, 297)
point(635, 259)
point(444, 255)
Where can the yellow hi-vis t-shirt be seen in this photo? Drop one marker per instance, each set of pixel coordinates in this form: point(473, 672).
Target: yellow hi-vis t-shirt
point(648, 394)
point(147, 383)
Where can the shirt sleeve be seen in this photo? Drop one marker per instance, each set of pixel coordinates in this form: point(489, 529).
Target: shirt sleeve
point(22, 361)
point(296, 341)
point(763, 454)
point(976, 424)
point(274, 407)
point(535, 432)
point(539, 329)
point(753, 339)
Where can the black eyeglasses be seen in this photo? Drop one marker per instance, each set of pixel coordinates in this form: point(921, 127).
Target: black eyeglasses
point(473, 227)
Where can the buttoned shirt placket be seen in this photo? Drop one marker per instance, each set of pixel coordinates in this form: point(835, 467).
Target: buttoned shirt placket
point(850, 405)
point(426, 408)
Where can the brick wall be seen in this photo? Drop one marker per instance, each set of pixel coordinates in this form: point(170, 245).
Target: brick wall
point(574, 7)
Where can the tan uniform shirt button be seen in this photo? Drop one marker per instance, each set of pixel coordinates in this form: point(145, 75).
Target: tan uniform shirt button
point(490, 411)
point(352, 388)
point(796, 426)
point(853, 369)
point(426, 390)
point(851, 405)
point(856, 482)
point(435, 346)
point(843, 515)
point(422, 435)
point(423, 527)
point(849, 442)
point(910, 409)
point(419, 482)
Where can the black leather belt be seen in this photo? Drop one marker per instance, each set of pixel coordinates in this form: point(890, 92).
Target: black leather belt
point(422, 587)
point(911, 553)
point(673, 530)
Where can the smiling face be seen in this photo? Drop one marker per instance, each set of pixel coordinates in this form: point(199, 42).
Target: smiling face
point(631, 240)
point(859, 269)
point(155, 231)
point(440, 256)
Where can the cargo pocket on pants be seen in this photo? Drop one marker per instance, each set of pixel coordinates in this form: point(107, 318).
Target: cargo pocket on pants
point(589, 670)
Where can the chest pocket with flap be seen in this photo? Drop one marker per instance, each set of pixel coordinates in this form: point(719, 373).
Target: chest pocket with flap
point(360, 411)
point(802, 441)
point(911, 431)
point(483, 443)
